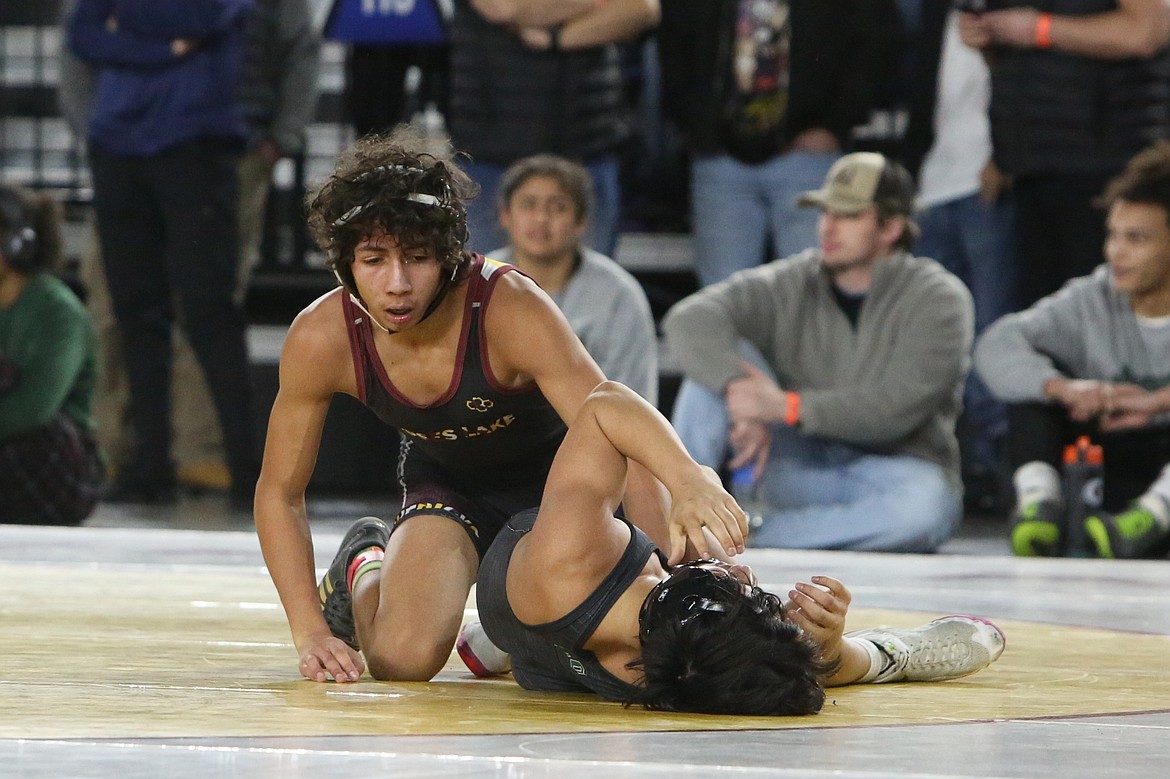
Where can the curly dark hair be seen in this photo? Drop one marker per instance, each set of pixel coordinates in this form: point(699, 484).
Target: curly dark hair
point(744, 659)
point(375, 187)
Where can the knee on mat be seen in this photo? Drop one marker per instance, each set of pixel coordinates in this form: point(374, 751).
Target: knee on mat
point(414, 659)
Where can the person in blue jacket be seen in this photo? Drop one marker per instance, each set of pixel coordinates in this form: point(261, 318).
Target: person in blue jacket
point(165, 135)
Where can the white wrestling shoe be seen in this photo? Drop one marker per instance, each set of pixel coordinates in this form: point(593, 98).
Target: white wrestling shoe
point(946, 648)
point(479, 654)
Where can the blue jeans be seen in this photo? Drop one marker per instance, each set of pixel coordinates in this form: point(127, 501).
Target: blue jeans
point(736, 207)
point(483, 222)
point(974, 241)
point(820, 494)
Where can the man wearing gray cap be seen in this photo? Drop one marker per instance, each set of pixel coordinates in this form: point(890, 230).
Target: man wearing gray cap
point(840, 421)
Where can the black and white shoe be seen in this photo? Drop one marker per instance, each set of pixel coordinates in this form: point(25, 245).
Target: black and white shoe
point(336, 599)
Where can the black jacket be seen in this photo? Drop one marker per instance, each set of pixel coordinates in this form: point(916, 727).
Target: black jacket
point(839, 58)
point(1054, 112)
point(508, 101)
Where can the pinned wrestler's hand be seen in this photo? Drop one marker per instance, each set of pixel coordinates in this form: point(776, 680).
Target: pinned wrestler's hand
point(819, 610)
point(705, 516)
point(325, 657)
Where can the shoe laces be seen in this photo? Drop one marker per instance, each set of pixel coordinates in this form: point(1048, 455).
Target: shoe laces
point(921, 652)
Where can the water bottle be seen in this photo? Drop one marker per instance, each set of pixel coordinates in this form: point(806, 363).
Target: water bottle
point(747, 494)
point(1084, 484)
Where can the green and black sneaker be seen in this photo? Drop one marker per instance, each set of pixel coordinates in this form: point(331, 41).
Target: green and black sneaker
point(1036, 529)
point(336, 600)
point(1131, 534)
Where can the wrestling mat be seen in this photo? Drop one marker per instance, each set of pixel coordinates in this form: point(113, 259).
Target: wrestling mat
point(117, 651)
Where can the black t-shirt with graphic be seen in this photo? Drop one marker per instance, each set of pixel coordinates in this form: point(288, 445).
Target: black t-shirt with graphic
point(757, 80)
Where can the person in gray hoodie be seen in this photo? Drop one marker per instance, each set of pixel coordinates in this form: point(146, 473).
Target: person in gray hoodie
point(851, 445)
point(1094, 359)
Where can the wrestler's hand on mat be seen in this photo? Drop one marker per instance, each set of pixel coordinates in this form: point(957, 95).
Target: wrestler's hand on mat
point(819, 610)
point(700, 505)
point(325, 657)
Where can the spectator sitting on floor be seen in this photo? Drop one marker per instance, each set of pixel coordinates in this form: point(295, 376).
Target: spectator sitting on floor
point(852, 444)
point(544, 205)
point(49, 468)
point(1094, 359)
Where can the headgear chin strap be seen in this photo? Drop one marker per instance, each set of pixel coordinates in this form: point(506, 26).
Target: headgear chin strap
point(440, 293)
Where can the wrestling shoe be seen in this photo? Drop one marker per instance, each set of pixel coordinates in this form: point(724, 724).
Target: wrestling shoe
point(480, 655)
point(1036, 529)
point(336, 601)
point(947, 648)
point(1132, 534)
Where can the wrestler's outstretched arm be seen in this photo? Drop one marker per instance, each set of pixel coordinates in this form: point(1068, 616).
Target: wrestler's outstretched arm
point(530, 340)
point(314, 364)
point(614, 427)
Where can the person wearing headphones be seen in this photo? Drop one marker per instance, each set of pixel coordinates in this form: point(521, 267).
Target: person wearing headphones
point(50, 472)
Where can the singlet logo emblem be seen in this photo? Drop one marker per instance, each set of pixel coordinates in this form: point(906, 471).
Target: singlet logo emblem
point(575, 664)
point(480, 404)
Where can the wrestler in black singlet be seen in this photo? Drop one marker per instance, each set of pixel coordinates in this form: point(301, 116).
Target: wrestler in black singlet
point(550, 656)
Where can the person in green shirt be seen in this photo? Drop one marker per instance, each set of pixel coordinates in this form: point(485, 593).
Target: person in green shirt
point(50, 471)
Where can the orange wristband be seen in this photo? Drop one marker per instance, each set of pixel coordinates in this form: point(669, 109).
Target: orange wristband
point(792, 412)
point(1044, 31)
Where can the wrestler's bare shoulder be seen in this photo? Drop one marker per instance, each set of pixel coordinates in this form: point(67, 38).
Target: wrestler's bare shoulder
point(515, 294)
point(317, 336)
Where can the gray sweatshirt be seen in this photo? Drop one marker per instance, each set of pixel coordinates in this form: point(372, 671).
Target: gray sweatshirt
point(608, 310)
point(1086, 330)
point(892, 386)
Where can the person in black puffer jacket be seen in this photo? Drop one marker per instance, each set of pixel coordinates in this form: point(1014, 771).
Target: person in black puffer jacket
point(1078, 87)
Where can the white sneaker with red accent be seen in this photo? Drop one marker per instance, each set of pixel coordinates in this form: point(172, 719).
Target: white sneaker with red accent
point(947, 648)
point(479, 654)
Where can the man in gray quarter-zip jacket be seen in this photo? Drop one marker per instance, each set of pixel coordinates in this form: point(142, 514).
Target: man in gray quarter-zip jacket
point(1094, 359)
point(848, 441)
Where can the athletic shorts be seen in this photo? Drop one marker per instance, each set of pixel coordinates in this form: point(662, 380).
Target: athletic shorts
point(481, 506)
